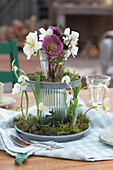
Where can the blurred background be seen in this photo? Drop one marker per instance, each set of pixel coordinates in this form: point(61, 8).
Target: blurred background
point(93, 19)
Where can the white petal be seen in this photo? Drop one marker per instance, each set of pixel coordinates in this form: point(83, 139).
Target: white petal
point(67, 31)
point(74, 36)
point(66, 79)
point(23, 79)
point(49, 31)
point(32, 36)
point(15, 68)
point(16, 89)
point(38, 46)
point(69, 97)
point(40, 104)
point(74, 51)
point(42, 31)
point(46, 112)
point(28, 51)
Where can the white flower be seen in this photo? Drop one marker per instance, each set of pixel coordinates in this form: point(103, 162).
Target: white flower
point(18, 88)
point(68, 53)
point(67, 32)
point(23, 79)
point(69, 99)
point(31, 37)
point(66, 79)
point(104, 106)
point(28, 51)
point(32, 44)
point(38, 45)
point(44, 33)
point(44, 109)
point(74, 50)
point(15, 68)
point(74, 37)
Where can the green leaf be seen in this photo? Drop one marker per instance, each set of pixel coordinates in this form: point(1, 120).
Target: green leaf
point(75, 103)
point(70, 92)
point(22, 72)
point(18, 108)
point(32, 121)
point(79, 105)
point(21, 157)
point(35, 53)
point(65, 35)
point(67, 42)
point(27, 102)
point(77, 90)
point(75, 112)
point(25, 84)
point(53, 113)
point(37, 88)
point(61, 28)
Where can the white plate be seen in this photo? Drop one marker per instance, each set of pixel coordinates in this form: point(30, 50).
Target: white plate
point(7, 101)
point(107, 137)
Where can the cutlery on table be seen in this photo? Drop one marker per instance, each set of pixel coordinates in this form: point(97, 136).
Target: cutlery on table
point(24, 143)
point(28, 141)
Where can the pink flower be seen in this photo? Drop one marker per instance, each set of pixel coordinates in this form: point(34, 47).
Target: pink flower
point(56, 30)
point(52, 45)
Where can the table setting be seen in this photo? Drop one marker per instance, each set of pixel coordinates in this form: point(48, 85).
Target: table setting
point(87, 148)
point(58, 124)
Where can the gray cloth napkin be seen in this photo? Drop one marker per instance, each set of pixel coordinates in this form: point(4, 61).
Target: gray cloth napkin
point(88, 148)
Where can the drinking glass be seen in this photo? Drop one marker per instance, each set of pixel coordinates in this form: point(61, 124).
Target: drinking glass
point(97, 88)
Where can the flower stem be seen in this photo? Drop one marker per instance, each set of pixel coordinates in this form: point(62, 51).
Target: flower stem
point(40, 117)
point(22, 104)
point(75, 117)
point(86, 112)
point(27, 103)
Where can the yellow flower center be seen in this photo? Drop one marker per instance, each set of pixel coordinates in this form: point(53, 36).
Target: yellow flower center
point(51, 47)
point(48, 34)
point(43, 108)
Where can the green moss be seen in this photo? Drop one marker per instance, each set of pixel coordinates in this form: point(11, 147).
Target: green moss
point(57, 129)
point(58, 78)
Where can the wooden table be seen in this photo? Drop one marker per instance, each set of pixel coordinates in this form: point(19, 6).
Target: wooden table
point(45, 163)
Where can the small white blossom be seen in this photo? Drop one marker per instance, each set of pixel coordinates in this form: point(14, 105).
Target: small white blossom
point(31, 37)
point(68, 53)
point(23, 79)
point(15, 68)
point(18, 88)
point(66, 79)
point(28, 51)
point(69, 99)
point(32, 44)
point(104, 106)
point(44, 33)
point(67, 32)
point(74, 51)
point(44, 109)
point(38, 45)
point(74, 37)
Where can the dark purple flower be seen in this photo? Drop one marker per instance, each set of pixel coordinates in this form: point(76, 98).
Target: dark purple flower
point(56, 30)
point(52, 45)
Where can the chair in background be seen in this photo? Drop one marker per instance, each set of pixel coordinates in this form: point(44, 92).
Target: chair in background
point(9, 48)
